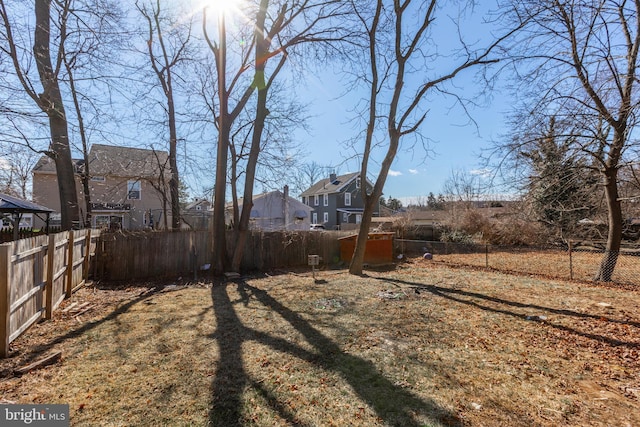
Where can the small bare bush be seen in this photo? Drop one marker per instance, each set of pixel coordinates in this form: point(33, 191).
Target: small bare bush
point(518, 232)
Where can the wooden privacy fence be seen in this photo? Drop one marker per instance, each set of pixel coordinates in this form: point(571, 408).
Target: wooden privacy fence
point(36, 274)
point(136, 255)
point(280, 249)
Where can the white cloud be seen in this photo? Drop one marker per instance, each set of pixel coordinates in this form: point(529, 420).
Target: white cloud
point(394, 173)
point(413, 171)
point(4, 164)
point(484, 173)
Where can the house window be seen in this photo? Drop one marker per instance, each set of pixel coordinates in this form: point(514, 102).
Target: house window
point(345, 217)
point(358, 219)
point(97, 178)
point(358, 182)
point(304, 200)
point(325, 199)
point(133, 190)
point(347, 199)
point(112, 222)
point(315, 218)
point(325, 217)
point(316, 200)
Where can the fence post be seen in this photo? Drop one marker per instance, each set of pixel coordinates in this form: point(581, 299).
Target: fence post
point(570, 260)
point(87, 255)
point(486, 256)
point(5, 303)
point(69, 265)
point(51, 249)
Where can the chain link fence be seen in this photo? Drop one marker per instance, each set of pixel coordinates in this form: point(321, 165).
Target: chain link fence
point(571, 262)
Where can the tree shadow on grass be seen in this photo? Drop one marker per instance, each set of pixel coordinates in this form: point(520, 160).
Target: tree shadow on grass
point(391, 403)
point(476, 299)
point(37, 351)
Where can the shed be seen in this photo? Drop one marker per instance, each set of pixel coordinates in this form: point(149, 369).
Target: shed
point(14, 207)
point(379, 249)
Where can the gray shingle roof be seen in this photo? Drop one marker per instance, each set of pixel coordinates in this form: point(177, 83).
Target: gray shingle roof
point(326, 186)
point(47, 165)
point(110, 160)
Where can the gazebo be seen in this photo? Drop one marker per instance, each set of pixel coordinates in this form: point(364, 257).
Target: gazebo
point(14, 207)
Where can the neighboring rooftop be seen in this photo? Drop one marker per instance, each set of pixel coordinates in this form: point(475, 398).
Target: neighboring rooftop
point(332, 184)
point(115, 161)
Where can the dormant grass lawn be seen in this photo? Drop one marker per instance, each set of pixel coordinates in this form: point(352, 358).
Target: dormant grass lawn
point(419, 345)
point(583, 265)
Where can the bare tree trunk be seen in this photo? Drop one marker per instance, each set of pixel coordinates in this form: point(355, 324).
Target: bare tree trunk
point(371, 201)
point(357, 260)
point(262, 50)
point(174, 181)
point(85, 177)
point(224, 132)
point(614, 236)
point(163, 64)
point(52, 104)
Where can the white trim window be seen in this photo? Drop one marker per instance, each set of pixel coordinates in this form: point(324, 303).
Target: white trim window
point(316, 200)
point(108, 221)
point(345, 217)
point(358, 218)
point(325, 217)
point(325, 199)
point(347, 199)
point(304, 200)
point(134, 190)
point(358, 182)
point(315, 218)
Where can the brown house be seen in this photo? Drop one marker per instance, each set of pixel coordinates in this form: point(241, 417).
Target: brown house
point(126, 188)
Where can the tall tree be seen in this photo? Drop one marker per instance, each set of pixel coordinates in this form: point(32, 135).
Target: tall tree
point(167, 46)
point(559, 185)
point(49, 99)
point(225, 116)
point(400, 38)
point(582, 58)
point(291, 25)
point(277, 27)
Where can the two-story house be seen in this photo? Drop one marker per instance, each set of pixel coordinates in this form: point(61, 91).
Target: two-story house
point(337, 201)
point(126, 189)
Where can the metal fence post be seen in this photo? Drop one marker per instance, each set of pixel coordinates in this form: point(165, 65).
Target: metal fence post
point(570, 260)
point(486, 256)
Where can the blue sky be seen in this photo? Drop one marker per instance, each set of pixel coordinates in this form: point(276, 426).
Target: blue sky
point(454, 141)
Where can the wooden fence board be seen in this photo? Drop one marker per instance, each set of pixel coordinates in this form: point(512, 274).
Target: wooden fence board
point(27, 283)
point(139, 255)
point(36, 274)
point(5, 271)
